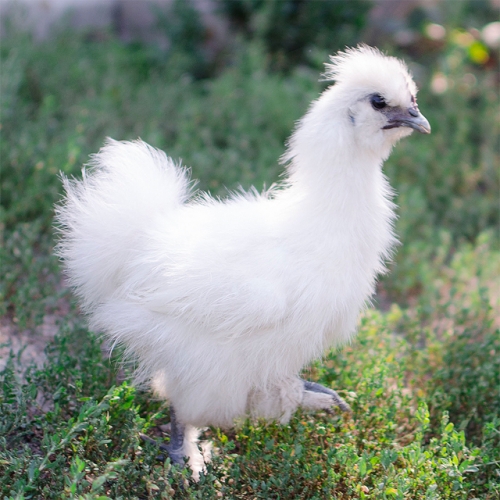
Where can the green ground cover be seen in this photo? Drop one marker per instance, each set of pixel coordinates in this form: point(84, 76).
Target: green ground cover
point(423, 375)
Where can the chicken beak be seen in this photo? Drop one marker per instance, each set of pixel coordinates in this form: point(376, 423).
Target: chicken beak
point(410, 117)
point(418, 122)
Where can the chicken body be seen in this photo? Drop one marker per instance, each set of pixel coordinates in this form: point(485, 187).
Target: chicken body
point(222, 303)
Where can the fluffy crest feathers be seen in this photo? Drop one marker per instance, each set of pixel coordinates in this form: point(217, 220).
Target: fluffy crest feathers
point(368, 69)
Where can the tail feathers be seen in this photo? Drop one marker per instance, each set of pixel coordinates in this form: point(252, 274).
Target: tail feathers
point(102, 217)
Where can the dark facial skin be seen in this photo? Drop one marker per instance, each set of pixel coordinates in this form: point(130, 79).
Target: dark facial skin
point(398, 116)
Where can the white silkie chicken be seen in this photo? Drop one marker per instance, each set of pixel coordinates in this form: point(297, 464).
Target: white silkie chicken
point(222, 303)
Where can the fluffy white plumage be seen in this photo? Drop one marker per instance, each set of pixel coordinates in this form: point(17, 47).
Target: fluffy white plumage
point(222, 303)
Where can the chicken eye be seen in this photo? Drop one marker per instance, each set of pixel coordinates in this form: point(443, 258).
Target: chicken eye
point(378, 102)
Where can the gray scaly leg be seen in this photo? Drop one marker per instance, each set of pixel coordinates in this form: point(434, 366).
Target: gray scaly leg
point(175, 447)
point(337, 400)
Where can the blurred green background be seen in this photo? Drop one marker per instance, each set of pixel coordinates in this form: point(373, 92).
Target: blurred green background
point(226, 109)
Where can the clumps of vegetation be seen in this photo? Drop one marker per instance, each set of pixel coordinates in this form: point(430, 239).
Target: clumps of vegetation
point(71, 430)
point(423, 375)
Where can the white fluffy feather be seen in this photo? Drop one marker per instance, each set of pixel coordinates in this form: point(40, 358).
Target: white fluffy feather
point(222, 303)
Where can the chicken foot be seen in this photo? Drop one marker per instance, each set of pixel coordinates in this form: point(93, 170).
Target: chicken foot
point(313, 401)
point(174, 449)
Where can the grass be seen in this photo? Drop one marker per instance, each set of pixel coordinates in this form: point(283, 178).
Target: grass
point(423, 375)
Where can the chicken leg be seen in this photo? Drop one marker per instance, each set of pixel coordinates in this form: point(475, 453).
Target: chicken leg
point(314, 387)
point(175, 447)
